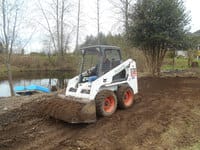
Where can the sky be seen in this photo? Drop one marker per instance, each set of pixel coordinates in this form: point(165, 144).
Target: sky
point(193, 6)
point(108, 21)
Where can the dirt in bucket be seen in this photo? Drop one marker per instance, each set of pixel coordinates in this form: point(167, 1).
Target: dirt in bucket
point(67, 109)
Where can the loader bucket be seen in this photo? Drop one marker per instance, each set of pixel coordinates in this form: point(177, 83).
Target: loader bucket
point(69, 109)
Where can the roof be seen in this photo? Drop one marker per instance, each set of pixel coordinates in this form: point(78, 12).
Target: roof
point(100, 46)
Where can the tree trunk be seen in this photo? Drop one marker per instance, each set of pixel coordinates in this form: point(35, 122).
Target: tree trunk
point(62, 29)
point(174, 53)
point(10, 79)
point(158, 70)
point(61, 83)
point(98, 25)
point(126, 17)
point(58, 29)
point(78, 24)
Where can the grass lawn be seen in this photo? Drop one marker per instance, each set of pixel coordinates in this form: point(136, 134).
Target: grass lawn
point(180, 64)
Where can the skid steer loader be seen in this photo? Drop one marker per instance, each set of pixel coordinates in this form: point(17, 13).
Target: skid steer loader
point(105, 82)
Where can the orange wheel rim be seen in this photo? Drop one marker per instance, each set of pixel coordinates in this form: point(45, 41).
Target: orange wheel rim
point(109, 104)
point(128, 97)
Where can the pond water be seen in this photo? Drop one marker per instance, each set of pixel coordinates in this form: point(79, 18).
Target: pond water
point(5, 89)
point(46, 79)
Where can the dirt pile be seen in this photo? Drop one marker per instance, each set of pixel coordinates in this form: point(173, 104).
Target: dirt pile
point(66, 109)
point(166, 117)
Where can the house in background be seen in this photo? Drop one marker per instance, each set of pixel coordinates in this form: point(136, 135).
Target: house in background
point(185, 54)
point(181, 53)
point(198, 52)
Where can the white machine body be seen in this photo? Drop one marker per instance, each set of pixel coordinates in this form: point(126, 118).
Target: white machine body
point(87, 91)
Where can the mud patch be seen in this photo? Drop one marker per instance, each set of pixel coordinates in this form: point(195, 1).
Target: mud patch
point(167, 116)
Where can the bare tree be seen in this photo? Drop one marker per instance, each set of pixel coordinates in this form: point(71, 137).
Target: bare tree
point(78, 25)
point(98, 24)
point(9, 31)
point(122, 7)
point(56, 23)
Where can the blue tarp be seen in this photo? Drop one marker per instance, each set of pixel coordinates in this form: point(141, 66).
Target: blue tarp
point(31, 88)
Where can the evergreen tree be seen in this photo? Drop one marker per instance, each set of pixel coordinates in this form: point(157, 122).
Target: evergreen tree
point(157, 26)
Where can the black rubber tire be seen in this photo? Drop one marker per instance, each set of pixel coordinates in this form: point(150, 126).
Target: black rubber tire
point(100, 103)
point(121, 94)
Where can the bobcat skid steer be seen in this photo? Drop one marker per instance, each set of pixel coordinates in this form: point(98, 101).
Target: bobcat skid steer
point(105, 82)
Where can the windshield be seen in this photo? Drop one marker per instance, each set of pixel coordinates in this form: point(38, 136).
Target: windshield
point(112, 54)
point(91, 58)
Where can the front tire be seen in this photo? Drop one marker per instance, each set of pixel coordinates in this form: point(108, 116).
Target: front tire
point(125, 96)
point(106, 103)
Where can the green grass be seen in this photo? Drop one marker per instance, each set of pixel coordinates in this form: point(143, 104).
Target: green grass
point(180, 64)
point(195, 146)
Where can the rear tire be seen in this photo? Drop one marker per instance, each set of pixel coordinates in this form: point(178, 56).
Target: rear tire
point(125, 96)
point(106, 103)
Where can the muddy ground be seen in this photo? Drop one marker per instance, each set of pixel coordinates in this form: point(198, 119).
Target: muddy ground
point(166, 115)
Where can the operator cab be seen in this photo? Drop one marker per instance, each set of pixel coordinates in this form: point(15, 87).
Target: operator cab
point(98, 60)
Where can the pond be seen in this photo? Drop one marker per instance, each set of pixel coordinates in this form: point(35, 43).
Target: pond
point(5, 89)
point(37, 78)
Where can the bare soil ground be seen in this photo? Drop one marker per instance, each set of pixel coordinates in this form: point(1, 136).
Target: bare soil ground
point(166, 115)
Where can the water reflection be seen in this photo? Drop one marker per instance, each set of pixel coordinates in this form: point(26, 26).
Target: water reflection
point(5, 89)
